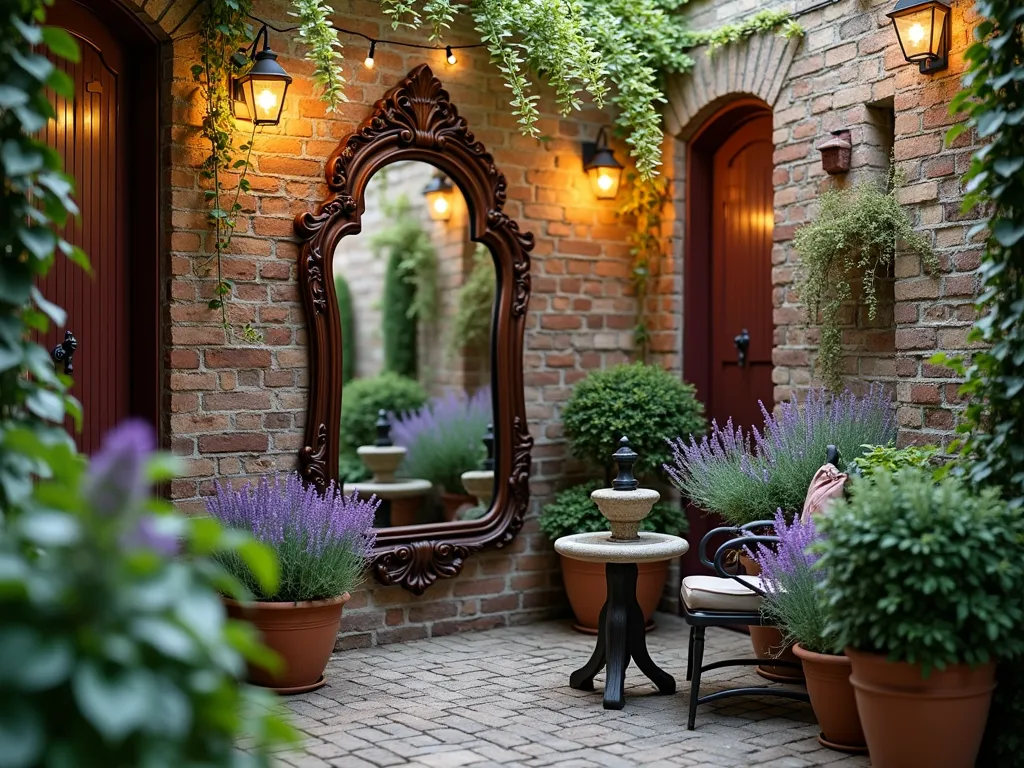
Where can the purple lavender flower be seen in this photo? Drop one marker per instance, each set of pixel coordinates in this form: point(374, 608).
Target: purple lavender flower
point(790, 557)
point(149, 533)
point(116, 479)
point(323, 541)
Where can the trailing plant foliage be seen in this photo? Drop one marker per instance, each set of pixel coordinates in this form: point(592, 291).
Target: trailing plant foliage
point(743, 476)
point(323, 48)
point(854, 238)
point(401, 336)
point(346, 316)
point(761, 22)
point(115, 649)
point(572, 511)
point(363, 398)
point(964, 607)
point(445, 438)
point(643, 208)
point(472, 324)
point(225, 29)
point(646, 403)
point(35, 201)
point(323, 542)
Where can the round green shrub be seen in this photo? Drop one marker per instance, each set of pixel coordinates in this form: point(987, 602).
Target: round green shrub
point(398, 321)
point(572, 511)
point(927, 573)
point(363, 398)
point(644, 402)
point(348, 329)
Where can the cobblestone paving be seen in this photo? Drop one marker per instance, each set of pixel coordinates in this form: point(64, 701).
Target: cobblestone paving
point(502, 697)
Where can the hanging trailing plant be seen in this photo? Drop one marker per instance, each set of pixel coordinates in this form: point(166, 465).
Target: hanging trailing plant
point(854, 238)
point(472, 324)
point(225, 29)
point(323, 49)
point(406, 240)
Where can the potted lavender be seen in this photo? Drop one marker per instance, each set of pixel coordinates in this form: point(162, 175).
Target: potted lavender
point(323, 543)
point(791, 582)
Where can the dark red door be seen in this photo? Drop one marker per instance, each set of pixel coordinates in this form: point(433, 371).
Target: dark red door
point(741, 329)
point(89, 133)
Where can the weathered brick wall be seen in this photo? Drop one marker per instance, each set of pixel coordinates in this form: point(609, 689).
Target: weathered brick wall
point(236, 411)
point(848, 72)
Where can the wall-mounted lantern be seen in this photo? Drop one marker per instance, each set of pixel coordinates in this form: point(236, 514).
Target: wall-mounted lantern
point(258, 95)
point(439, 197)
point(836, 152)
point(923, 28)
point(604, 170)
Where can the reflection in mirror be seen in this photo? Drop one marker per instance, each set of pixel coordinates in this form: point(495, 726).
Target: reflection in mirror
point(415, 299)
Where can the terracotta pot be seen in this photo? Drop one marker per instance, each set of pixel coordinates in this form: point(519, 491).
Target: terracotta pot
point(935, 721)
point(833, 701)
point(302, 634)
point(587, 587)
point(453, 502)
point(403, 511)
point(769, 644)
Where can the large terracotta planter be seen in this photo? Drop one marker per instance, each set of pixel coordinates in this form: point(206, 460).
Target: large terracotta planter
point(833, 701)
point(768, 642)
point(453, 502)
point(910, 720)
point(302, 634)
point(586, 585)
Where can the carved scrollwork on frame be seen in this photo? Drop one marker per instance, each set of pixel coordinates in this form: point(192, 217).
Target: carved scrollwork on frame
point(416, 120)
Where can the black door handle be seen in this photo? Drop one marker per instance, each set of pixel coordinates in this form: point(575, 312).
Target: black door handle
point(65, 352)
point(742, 343)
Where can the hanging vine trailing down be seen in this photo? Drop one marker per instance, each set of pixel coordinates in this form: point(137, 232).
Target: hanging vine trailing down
point(225, 29)
point(855, 237)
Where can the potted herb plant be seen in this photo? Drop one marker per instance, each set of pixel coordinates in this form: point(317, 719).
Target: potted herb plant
point(922, 588)
point(791, 581)
point(745, 476)
point(573, 511)
point(648, 404)
point(443, 440)
point(323, 543)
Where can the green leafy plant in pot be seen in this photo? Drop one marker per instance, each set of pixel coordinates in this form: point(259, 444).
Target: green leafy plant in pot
point(791, 582)
point(323, 543)
point(922, 587)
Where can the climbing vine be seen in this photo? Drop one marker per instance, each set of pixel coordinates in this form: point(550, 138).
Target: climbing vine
point(643, 208)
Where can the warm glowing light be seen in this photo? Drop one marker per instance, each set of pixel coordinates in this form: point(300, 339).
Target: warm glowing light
point(916, 34)
point(923, 30)
point(450, 56)
point(441, 206)
point(267, 101)
point(368, 61)
point(439, 194)
point(605, 181)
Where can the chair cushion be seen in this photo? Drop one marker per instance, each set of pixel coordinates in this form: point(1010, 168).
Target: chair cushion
point(713, 593)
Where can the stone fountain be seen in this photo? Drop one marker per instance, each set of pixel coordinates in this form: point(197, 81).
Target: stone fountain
point(480, 482)
point(400, 496)
point(621, 634)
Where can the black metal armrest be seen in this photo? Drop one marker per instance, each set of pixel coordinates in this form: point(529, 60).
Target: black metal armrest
point(736, 545)
point(758, 525)
point(702, 548)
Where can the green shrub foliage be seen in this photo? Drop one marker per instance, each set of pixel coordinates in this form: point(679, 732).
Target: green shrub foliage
point(399, 323)
point(363, 398)
point(572, 511)
point(646, 403)
point(347, 318)
point(924, 572)
point(472, 324)
point(889, 458)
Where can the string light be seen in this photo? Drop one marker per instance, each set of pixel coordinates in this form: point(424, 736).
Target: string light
point(368, 61)
point(450, 56)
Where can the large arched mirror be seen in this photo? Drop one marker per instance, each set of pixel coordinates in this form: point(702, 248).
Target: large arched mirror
point(416, 283)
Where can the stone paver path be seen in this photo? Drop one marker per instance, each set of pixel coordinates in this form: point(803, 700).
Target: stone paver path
point(502, 697)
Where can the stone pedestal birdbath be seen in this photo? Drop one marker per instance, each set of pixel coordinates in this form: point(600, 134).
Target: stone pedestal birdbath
point(401, 496)
point(480, 482)
point(621, 634)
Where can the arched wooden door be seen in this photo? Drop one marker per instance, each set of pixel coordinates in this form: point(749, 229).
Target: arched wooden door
point(111, 313)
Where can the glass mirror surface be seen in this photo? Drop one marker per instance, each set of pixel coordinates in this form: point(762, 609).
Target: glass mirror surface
point(416, 304)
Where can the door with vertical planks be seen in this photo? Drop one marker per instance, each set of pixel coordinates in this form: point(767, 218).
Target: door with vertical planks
point(89, 133)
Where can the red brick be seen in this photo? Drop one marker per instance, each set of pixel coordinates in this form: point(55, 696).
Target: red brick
point(245, 357)
point(233, 443)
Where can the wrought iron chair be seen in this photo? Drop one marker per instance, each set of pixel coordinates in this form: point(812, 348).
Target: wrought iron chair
point(729, 599)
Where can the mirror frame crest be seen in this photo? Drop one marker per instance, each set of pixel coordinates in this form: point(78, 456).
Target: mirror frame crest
point(416, 121)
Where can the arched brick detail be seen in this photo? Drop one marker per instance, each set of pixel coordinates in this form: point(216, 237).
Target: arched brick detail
point(166, 18)
point(755, 67)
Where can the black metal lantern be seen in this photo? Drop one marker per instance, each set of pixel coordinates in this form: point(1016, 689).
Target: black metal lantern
point(923, 29)
point(259, 94)
point(439, 197)
point(604, 170)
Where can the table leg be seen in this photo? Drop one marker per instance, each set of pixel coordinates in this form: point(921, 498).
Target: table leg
point(583, 678)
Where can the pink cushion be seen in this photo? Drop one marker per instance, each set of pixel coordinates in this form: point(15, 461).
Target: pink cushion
point(826, 486)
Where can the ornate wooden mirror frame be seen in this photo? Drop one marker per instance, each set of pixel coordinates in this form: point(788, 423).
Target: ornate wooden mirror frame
point(416, 121)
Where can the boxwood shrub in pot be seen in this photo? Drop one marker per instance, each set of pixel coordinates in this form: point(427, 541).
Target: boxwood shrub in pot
point(923, 590)
point(573, 511)
point(323, 543)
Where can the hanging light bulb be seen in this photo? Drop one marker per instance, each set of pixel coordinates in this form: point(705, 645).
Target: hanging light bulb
point(368, 61)
point(450, 56)
point(439, 194)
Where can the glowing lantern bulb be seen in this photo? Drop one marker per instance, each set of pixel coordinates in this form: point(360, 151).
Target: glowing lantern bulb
point(916, 34)
point(267, 101)
point(440, 206)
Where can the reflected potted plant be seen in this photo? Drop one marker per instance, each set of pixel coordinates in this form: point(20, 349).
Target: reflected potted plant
point(791, 582)
point(323, 543)
point(443, 440)
point(573, 511)
point(745, 476)
point(922, 587)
